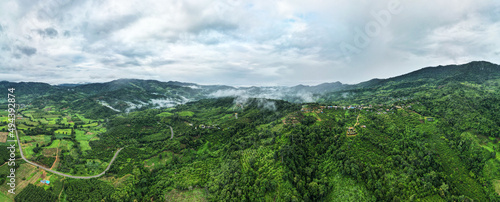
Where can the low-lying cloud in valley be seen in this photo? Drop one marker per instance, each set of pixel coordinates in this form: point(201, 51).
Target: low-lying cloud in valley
point(277, 93)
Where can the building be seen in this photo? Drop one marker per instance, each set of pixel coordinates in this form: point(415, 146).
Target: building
point(430, 119)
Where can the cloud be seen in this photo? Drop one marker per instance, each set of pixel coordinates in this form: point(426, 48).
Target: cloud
point(26, 50)
point(239, 42)
point(278, 93)
point(49, 32)
point(241, 102)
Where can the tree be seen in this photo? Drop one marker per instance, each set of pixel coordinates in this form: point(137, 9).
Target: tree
point(443, 189)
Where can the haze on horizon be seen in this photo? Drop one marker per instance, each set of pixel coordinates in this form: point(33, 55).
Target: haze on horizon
point(241, 43)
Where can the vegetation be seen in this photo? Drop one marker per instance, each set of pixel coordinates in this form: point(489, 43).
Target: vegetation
point(431, 135)
point(34, 193)
point(87, 190)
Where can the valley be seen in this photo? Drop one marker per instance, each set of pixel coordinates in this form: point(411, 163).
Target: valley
point(430, 135)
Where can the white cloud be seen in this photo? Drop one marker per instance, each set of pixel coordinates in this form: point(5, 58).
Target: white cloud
point(238, 42)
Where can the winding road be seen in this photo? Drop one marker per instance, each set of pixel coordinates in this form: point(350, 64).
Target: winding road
point(72, 176)
point(172, 131)
point(62, 174)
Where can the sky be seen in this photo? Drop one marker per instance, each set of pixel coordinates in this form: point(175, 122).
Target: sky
point(241, 43)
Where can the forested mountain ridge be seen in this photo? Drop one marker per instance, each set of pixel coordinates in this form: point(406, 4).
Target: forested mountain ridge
point(430, 135)
point(470, 91)
point(477, 71)
point(124, 95)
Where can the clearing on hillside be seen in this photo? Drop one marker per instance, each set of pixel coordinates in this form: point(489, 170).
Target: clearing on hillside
point(3, 136)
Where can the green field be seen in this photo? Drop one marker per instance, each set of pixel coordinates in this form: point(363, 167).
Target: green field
point(4, 119)
point(193, 195)
point(156, 162)
point(79, 132)
point(82, 118)
point(43, 121)
point(66, 144)
point(84, 145)
point(31, 143)
point(31, 175)
point(82, 137)
point(91, 125)
point(165, 114)
point(4, 198)
point(54, 144)
point(186, 113)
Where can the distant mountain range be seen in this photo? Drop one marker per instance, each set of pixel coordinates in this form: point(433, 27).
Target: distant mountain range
point(124, 95)
point(477, 71)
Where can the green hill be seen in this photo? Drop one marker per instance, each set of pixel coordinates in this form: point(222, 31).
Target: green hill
point(429, 135)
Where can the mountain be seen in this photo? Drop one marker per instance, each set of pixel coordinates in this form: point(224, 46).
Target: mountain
point(321, 88)
point(429, 135)
point(72, 84)
point(125, 95)
point(29, 88)
point(477, 71)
